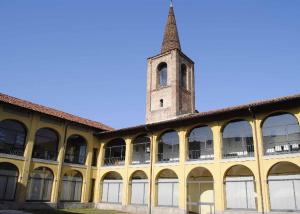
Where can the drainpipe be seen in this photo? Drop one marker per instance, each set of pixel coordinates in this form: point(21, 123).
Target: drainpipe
point(258, 158)
point(151, 170)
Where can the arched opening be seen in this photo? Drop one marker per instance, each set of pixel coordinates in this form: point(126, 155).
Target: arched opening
point(167, 188)
point(200, 144)
point(12, 137)
point(139, 188)
point(183, 76)
point(163, 74)
point(9, 174)
point(168, 147)
point(237, 140)
point(141, 150)
point(76, 150)
point(240, 188)
point(281, 134)
point(284, 186)
point(112, 186)
point(71, 187)
point(45, 144)
point(115, 152)
point(200, 191)
point(40, 185)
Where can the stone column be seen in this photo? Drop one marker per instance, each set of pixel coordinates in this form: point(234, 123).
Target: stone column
point(60, 159)
point(218, 177)
point(153, 181)
point(89, 157)
point(125, 196)
point(98, 187)
point(258, 154)
point(23, 180)
point(261, 184)
point(181, 175)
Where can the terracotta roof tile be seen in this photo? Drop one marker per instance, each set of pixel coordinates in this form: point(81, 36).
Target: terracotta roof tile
point(214, 115)
point(52, 112)
point(171, 39)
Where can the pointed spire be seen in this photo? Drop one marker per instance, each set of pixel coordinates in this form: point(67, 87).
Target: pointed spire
point(171, 39)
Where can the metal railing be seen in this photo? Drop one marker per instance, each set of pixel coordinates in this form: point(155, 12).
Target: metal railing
point(45, 155)
point(168, 157)
point(243, 151)
point(281, 139)
point(12, 150)
point(75, 158)
point(114, 161)
point(201, 154)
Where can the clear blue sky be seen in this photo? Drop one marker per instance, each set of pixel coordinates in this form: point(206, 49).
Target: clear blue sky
point(89, 57)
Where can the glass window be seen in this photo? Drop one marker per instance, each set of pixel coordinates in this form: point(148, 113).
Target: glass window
point(115, 152)
point(71, 187)
point(45, 145)
point(240, 188)
point(281, 134)
point(240, 193)
point(284, 185)
point(12, 137)
point(237, 140)
point(8, 181)
point(76, 150)
point(183, 76)
point(112, 186)
point(139, 188)
point(40, 185)
point(168, 147)
point(163, 74)
point(167, 187)
point(141, 150)
point(200, 143)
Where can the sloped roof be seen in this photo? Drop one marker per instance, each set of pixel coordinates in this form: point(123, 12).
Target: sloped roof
point(171, 39)
point(280, 103)
point(52, 112)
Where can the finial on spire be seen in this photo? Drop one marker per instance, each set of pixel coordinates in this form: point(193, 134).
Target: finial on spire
point(171, 39)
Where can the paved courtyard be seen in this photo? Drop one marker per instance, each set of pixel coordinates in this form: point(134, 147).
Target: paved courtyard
point(62, 211)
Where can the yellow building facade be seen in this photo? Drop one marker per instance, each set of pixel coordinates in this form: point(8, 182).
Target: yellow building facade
point(242, 159)
point(194, 183)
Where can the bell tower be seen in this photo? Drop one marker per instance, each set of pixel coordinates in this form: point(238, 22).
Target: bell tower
point(170, 78)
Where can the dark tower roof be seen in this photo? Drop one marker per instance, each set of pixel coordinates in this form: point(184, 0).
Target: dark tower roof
point(171, 39)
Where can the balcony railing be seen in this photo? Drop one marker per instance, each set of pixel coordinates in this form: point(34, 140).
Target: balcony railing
point(203, 154)
point(143, 160)
point(45, 155)
point(168, 157)
point(282, 148)
point(114, 161)
point(243, 151)
point(12, 150)
point(75, 158)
